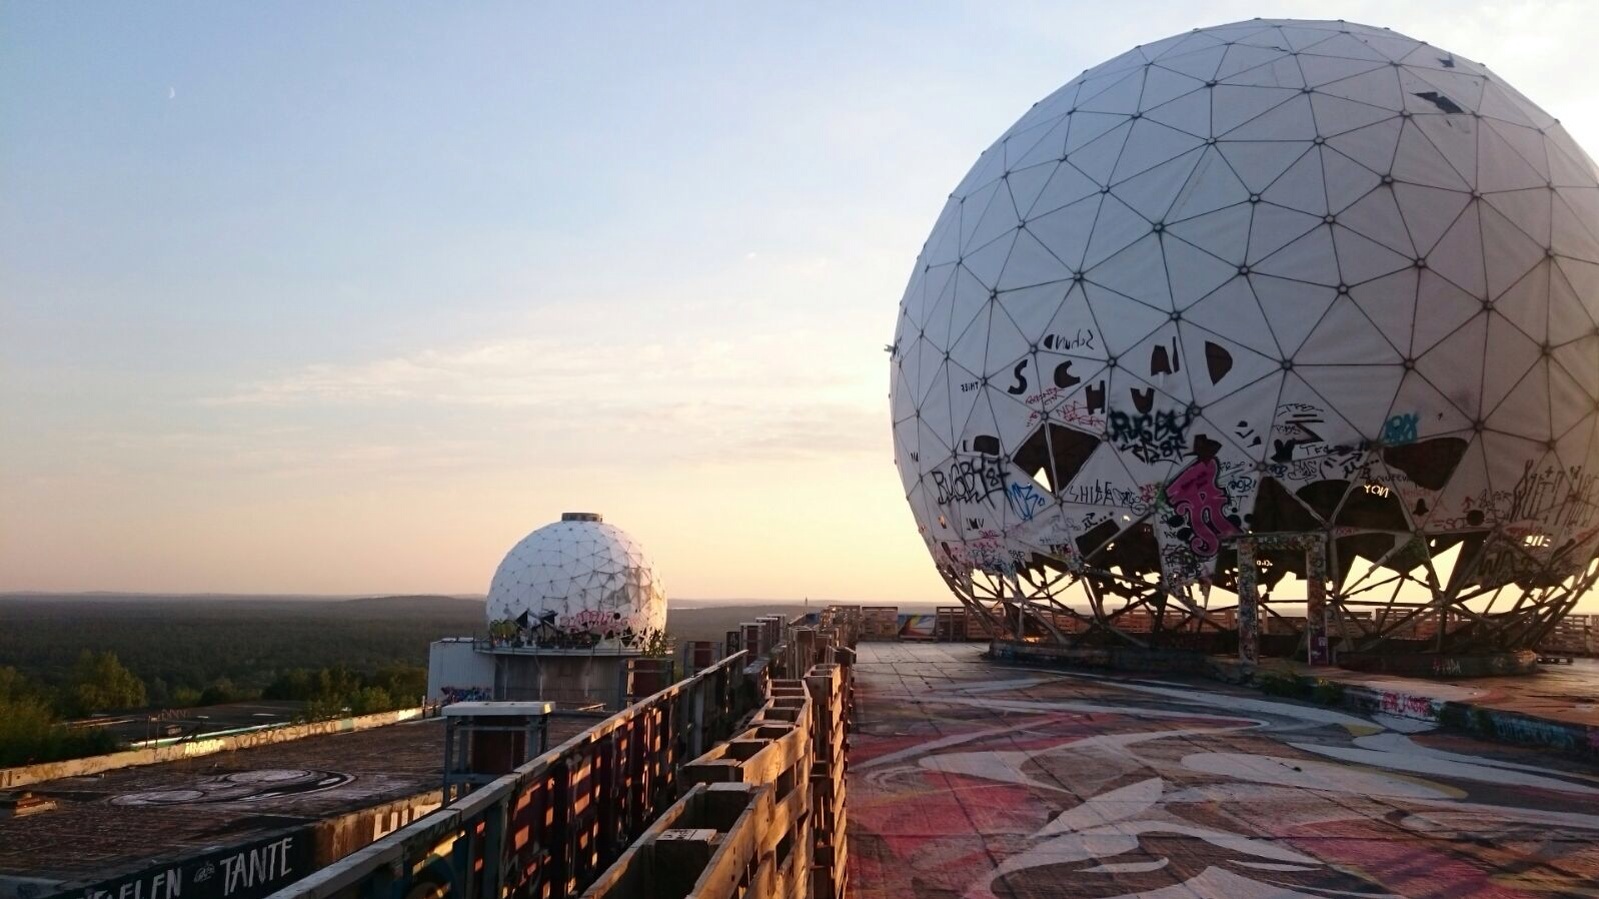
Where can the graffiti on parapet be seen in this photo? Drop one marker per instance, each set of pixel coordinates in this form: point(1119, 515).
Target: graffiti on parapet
point(249, 871)
point(448, 695)
point(968, 481)
point(1404, 705)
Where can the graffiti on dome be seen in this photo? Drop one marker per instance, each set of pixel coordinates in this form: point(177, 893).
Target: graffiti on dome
point(968, 481)
point(1299, 427)
point(987, 552)
point(1354, 395)
point(1150, 436)
point(1199, 506)
point(1026, 500)
point(1101, 492)
point(1400, 429)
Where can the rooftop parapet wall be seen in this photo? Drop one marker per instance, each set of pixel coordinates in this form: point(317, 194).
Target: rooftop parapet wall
point(785, 774)
point(31, 774)
point(555, 826)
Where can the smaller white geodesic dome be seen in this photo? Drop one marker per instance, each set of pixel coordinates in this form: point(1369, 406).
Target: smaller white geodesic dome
point(579, 577)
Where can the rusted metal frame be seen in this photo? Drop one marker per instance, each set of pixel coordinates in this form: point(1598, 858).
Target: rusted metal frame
point(967, 594)
point(1107, 623)
point(1044, 587)
point(1045, 620)
point(1516, 612)
point(1497, 540)
point(1581, 584)
point(1443, 599)
point(996, 622)
point(1516, 620)
point(1067, 610)
point(1377, 564)
point(1364, 471)
point(1048, 623)
point(1103, 622)
point(1488, 611)
point(1573, 588)
point(1337, 599)
point(1382, 634)
point(1388, 610)
point(1193, 610)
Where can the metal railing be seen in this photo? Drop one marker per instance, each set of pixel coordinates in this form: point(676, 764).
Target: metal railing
point(551, 826)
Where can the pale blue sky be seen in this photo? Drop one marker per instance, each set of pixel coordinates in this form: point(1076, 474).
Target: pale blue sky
point(345, 298)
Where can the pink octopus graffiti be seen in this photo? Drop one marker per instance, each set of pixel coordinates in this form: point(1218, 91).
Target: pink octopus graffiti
point(1199, 499)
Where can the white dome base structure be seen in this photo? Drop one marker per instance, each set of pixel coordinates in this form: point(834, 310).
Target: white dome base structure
point(1279, 336)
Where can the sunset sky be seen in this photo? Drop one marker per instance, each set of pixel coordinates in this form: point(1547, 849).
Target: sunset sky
point(304, 298)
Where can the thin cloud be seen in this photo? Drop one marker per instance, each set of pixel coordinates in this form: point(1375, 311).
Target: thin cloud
point(771, 396)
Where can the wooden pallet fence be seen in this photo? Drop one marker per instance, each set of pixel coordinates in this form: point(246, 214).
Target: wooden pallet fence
point(880, 623)
point(830, 689)
point(742, 827)
point(709, 845)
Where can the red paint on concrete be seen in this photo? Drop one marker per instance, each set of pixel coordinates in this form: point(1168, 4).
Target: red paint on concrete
point(973, 780)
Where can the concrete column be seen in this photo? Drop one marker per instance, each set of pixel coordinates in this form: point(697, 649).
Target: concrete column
point(1316, 638)
point(1248, 606)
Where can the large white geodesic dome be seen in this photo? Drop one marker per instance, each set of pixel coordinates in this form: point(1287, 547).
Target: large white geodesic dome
point(579, 577)
point(1270, 277)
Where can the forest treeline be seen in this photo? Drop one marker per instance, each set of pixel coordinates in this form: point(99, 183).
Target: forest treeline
point(64, 658)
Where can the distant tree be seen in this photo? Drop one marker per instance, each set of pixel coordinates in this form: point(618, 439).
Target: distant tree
point(221, 690)
point(100, 683)
point(405, 684)
point(13, 686)
point(29, 730)
point(297, 684)
point(184, 697)
point(370, 699)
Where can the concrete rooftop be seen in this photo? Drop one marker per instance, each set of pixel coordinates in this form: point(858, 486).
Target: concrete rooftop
point(124, 820)
point(969, 779)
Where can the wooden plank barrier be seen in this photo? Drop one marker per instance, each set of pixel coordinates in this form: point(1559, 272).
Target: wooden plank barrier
point(785, 835)
point(707, 846)
point(706, 853)
point(829, 689)
point(880, 623)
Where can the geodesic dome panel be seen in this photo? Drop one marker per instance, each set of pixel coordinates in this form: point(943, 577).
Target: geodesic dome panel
point(1268, 277)
point(579, 576)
